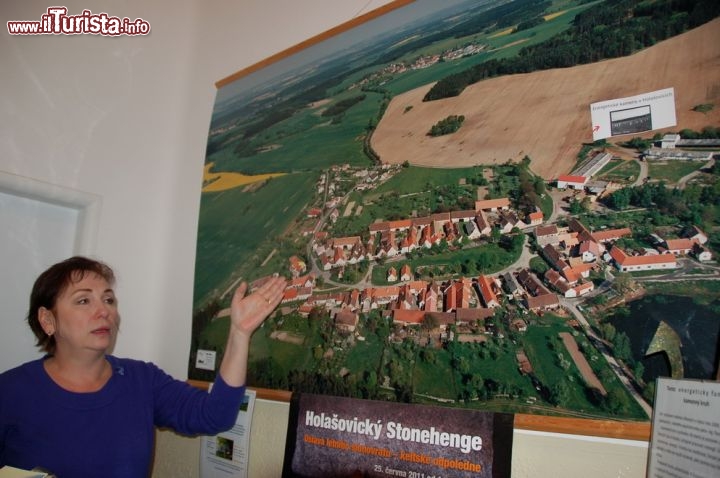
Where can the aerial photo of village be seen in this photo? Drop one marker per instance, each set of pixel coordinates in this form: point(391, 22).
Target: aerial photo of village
point(450, 231)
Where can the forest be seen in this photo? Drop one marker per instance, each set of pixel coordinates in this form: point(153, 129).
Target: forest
point(610, 29)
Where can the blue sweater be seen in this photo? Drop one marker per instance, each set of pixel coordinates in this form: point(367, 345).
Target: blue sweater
point(109, 433)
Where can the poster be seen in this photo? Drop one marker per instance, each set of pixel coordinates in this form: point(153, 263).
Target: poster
point(227, 454)
point(685, 429)
point(633, 115)
point(338, 437)
point(414, 264)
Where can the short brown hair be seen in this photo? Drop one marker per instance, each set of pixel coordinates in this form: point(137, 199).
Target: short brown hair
point(51, 283)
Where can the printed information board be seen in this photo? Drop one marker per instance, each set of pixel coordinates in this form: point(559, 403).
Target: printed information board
point(344, 437)
point(633, 115)
point(685, 438)
point(226, 454)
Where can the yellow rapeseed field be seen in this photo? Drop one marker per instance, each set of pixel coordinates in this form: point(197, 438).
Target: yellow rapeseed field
point(553, 15)
point(222, 181)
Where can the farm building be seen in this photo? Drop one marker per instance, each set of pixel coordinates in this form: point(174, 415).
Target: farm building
point(565, 181)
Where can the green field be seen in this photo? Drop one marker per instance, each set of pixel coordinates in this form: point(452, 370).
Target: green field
point(485, 259)
point(503, 46)
point(672, 171)
point(306, 141)
point(434, 374)
point(235, 224)
point(619, 171)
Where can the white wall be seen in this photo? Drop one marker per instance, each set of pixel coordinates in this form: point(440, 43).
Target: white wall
point(126, 119)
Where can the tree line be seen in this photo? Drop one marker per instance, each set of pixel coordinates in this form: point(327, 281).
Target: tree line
point(694, 205)
point(611, 29)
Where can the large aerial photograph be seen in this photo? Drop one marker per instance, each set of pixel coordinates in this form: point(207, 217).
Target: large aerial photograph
point(500, 205)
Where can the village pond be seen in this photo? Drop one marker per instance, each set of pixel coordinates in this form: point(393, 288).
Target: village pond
point(697, 326)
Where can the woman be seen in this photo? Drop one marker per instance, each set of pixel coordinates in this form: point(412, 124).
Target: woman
point(80, 412)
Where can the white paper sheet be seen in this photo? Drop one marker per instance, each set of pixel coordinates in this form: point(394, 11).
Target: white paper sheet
point(226, 454)
point(685, 437)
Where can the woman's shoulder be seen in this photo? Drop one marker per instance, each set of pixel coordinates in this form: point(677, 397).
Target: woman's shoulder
point(22, 372)
point(20, 383)
point(133, 368)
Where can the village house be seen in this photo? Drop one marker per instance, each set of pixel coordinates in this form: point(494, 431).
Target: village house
point(538, 297)
point(557, 282)
point(627, 263)
point(545, 235)
point(346, 321)
point(492, 204)
point(486, 288)
point(511, 286)
point(471, 230)
point(589, 251)
point(306, 281)
point(567, 239)
point(677, 247)
point(609, 235)
point(384, 295)
point(431, 298)
point(542, 302)
point(442, 319)
point(562, 285)
point(482, 223)
point(472, 315)
point(695, 233)
point(297, 266)
point(519, 325)
point(535, 218)
point(407, 299)
point(458, 294)
point(462, 216)
point(508, 221)
point(314, 212)
point(405, 273)
point(702, 253)
point(404, 317)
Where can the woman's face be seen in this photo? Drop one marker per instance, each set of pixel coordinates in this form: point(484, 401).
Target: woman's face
point(85, 316)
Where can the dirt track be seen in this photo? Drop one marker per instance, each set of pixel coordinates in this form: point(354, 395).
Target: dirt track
point(546, 114)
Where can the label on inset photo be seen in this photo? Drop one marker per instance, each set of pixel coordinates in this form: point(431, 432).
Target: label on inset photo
point(205, 359)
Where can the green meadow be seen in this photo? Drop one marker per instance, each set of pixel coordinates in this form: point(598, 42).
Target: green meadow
point(307, 141)
point(672, 171)
point(234, 224)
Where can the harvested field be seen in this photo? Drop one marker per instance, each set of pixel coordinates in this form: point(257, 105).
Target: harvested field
point(581, 363)
point(546, 115)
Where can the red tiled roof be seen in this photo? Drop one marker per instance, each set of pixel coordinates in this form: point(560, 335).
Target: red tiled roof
point(623, 259)
point(548, 230)
point(541, 301)
point(486, 290)
point(535, 216)
point(680, 244)
point(572, 179)
point(492, 203)
point(408, 316)
point(610, 234)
